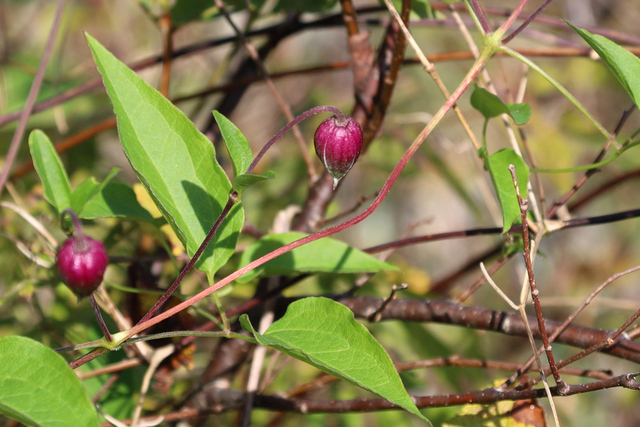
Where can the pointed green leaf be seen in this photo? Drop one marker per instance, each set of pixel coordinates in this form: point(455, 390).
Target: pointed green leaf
point(498, 165)
point(38, 388)
point(624, 65)
point(84, 193)
point(324, 334)
point(173, 160)
point(244, 180)
point(47, 163)
point(116, 200)
point(237, 145)
point(321, 256)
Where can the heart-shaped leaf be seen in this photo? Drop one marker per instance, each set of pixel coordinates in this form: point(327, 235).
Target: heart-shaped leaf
point(323, 333)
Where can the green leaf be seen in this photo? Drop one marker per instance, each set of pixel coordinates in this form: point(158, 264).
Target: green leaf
point(173, 160)
point(87, 190)
point(186, 11)
point(324, 334)
point(237, 145)
point(488, 104)
point(624, 65)
point(498, 165)
point(38, 388)
point(520, 113)
point(321, 256)
point(57, 189)
point(244, 180)
point(116, 200)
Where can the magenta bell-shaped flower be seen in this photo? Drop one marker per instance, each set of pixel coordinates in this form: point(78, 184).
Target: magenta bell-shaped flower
point(81, 262)
point(338, 143)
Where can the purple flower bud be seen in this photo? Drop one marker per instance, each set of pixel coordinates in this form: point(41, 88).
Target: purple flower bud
point(81, 262)
point(338, 143)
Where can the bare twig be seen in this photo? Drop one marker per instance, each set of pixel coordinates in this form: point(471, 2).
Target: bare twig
point(31, 98)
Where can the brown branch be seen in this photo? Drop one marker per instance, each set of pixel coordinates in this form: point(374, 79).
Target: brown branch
point(166, 29)
point(223, 400)
point(481, 318)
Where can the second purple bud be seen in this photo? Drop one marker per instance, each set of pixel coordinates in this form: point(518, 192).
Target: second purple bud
point(338, 143)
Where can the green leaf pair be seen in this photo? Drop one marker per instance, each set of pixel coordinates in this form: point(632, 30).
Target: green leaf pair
point(498, 163)
point(90, 199)
point(491, 106)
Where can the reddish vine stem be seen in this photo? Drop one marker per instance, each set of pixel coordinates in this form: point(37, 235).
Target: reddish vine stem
point(535, 293)
point(192, 262)
point(473, 72)
point(233, 199)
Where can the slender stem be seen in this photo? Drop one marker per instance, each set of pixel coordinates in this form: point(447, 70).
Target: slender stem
point(479, 14)
point(589, 166)
point(526, 22)
point(289, 125)
point(563, 91)
point(103, 325)
point(431, 70)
